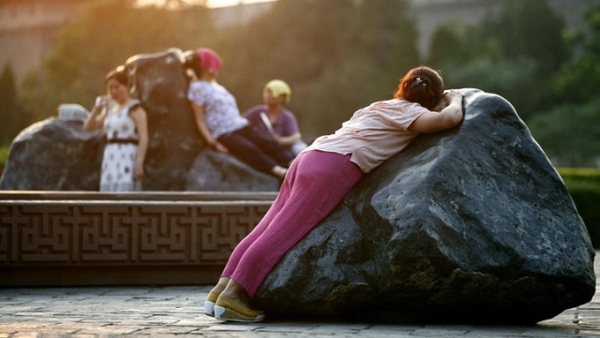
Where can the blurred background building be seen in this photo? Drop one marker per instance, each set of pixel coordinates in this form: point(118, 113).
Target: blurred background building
point(27, 27)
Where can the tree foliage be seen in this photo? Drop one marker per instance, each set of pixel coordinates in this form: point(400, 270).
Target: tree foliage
point(529, 28)
point(524, 53)
point(9, 107)
point(337, 55)
point(579, 79)
point(102, 36)
point(514, 53)
point(570, 133)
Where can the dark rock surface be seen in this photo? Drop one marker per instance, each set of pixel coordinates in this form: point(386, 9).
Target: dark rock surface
point(469, 225)
point(161, 85)
point(54, 154)
point(214, 171)
point(57, 154)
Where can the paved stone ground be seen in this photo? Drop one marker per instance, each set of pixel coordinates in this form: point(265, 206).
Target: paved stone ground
point(177, 311)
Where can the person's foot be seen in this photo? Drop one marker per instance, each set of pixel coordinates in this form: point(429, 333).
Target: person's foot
point(230, 310)
point(213, 295)
point(209, 303)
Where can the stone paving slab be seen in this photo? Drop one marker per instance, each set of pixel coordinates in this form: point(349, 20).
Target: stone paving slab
point(177, 312)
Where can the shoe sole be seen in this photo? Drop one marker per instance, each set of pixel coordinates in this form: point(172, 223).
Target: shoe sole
point(209, 303)
point(224, 313)
point(209, 308)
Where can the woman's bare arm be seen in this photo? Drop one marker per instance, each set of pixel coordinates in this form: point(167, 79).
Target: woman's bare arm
point(141, 124)
point(203, 129)
point(447, 118)
point(287, 141)
point(96, 118)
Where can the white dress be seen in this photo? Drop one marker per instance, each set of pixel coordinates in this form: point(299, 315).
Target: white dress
point(118, 162)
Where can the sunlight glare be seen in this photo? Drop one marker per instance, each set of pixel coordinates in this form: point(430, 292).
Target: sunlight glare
point(209, 3)
point(223, 3)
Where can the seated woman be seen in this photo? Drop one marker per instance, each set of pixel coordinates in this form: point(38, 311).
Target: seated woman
point(222, 127)
point(273, 119)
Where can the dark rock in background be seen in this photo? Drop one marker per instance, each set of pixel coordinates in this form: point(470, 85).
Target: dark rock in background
point(54, 154)
point(160, 83)
point(469, 225)
point(57, 154)
point(214, 171)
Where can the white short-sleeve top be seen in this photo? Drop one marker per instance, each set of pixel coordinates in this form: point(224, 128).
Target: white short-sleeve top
point(374, 133)
point(221, 113)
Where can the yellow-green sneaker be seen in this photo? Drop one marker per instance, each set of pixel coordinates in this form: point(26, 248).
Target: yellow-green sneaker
point(209, 303)
point(226, 309)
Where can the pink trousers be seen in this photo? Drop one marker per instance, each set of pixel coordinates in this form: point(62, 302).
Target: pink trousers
point(314, 185)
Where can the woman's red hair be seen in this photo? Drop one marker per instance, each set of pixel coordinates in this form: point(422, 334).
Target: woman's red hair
point(422, 85)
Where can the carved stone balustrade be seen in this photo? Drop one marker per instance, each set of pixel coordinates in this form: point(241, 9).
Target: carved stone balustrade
point(89, 238)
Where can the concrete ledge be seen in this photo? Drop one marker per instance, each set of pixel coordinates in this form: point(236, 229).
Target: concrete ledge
point(88, 238)
point(137, 196)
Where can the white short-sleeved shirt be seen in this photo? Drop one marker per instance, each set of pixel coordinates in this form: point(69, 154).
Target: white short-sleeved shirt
point(374, 133)
point(221, 113)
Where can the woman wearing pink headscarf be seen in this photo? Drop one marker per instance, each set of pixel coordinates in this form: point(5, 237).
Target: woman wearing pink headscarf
point(220, 124)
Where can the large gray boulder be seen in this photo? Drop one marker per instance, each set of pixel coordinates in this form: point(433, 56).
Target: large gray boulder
point(469, 225)
point(160, 83)
point(54, 154)
point(57, 154)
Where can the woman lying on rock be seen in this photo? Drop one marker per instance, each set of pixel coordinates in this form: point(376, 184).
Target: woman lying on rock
point(222, 127)
point(322, 175)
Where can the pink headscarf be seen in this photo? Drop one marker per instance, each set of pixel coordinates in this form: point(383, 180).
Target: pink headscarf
point(209, 59)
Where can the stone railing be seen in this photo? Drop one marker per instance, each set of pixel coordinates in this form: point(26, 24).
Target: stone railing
point(89, 238)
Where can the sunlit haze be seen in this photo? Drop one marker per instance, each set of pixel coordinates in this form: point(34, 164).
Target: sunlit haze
point(223, 3)
point(209, 3)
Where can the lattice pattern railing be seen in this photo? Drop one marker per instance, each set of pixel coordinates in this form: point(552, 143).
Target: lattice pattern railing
point(123, 233)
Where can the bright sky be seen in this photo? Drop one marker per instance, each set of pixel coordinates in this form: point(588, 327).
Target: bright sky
point(223, 3)
point(211, 3)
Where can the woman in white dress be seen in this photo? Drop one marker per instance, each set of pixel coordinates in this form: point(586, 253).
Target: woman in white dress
point(126, 129)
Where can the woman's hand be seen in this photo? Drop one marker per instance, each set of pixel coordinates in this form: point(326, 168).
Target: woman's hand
point(96, 118)
point(101, 101)
point(219, 147)
point(448, 117)
point(138, 171)
point(446, 99)
point(443, 103)
point(287, 141)
point(451, 95)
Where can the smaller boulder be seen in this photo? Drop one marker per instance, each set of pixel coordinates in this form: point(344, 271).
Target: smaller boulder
point(54, 154)
point(72, 112)
point(214, 171)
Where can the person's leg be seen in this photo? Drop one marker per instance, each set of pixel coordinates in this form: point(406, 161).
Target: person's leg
point(229, 309)
point(282, 197)
point(239, 250)
point(316, 188)
point(270, 147)
point(320, 183)
point(244, 149)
